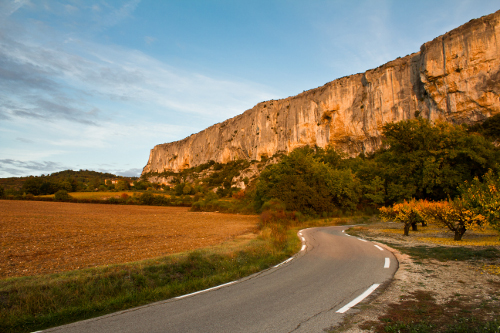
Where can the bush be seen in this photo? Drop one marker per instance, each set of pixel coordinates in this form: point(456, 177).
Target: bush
point(147, 198)
point(62, 195)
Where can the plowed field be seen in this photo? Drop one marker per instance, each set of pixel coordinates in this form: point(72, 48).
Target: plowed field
point(49, 237)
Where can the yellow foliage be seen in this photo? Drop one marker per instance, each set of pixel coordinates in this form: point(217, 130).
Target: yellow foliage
point(492, 269)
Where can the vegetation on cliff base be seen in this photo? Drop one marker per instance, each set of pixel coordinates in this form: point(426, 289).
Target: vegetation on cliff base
point(419, 160)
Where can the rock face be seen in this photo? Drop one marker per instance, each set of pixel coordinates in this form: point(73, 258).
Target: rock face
point(455, 77)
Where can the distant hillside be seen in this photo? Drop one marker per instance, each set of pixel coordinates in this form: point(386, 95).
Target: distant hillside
point(78, 180)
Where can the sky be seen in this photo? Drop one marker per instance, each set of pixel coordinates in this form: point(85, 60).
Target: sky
point(95, 85)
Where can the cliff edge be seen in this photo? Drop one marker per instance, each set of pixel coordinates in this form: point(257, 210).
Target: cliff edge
point(455, 77)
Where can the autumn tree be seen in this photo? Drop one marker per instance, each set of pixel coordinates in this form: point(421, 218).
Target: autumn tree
point(483, 197)
point(453, 215)
point(406, 212)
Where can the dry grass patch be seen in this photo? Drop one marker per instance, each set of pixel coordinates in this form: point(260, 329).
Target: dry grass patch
point(50, 237)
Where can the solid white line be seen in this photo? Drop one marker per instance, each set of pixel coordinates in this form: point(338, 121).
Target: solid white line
point(378, 247)
point(363, 240)
point(284, 262)
point(202, 291)
point(359, 298)
point(343, 230)
point(387, 263)
point(347, 234)
point(303, 247)
point(303, 239)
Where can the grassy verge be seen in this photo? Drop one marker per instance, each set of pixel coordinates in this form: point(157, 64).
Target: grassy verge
point(39, 302)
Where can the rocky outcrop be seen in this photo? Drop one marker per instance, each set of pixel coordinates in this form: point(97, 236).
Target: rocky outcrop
point(455, 77)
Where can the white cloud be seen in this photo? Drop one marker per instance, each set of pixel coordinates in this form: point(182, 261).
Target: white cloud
point(7, 7)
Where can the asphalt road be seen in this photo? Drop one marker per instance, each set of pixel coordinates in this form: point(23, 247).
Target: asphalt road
point(306, 294)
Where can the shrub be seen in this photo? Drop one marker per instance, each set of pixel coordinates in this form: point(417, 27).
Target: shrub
point(62, 195)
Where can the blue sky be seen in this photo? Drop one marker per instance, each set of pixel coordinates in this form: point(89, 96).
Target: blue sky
point(97, 84)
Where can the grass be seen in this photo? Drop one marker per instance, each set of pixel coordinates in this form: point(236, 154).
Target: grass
point(39, 302)
point(443, 253)
point(98, 195)
point(483, 241)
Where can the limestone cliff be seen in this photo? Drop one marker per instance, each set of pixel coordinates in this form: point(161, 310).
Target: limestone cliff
point(455, 77)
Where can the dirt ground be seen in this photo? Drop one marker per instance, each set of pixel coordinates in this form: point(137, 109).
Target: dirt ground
point(49, 237)
point(475, 282)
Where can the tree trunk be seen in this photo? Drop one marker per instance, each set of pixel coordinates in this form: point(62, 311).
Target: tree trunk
point(459, 232)
point(414, 226)
point(407, 230)
point(424, 224)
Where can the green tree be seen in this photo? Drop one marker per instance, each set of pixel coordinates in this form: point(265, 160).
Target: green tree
point(32, 185)
point(303, 183)
point(187, 189)
point(430, 161)
point(122, 185)
point(66, 185)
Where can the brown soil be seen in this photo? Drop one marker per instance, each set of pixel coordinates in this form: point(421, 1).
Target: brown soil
point(49, 237)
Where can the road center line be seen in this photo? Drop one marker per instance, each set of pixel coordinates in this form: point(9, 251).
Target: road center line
point(202, 291)
point(358, 299)
point(387, 263)
point(378, 247)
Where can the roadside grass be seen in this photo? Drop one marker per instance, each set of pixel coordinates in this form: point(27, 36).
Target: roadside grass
point(97, 195)
point(38, 302)
point(443, 253)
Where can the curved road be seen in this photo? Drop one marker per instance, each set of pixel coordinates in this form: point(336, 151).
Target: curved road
point(308, 293)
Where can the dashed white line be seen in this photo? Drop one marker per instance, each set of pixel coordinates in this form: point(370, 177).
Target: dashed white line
point(205, 290)
point(363, 240)
point(359, 298)
point(303, 247)
point(387, 263)
point(378, 247)
point(343, 230)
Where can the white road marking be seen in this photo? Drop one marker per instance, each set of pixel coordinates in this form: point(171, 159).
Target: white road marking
point(303, 239)
point(363, 240)
point(343, 230)
point(378, 247)
point(387, 263)
point(359, 298)
point(202, 291)
point(284, 262)
point(303, 247)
